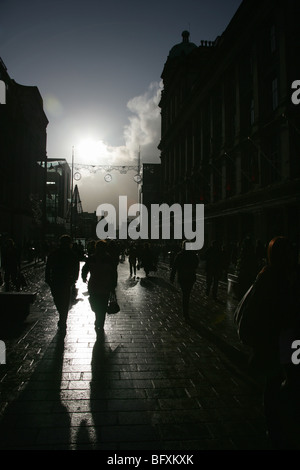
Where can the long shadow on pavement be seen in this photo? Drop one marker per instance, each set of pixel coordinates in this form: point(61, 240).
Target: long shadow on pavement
point(37, 419)
point(105, 385)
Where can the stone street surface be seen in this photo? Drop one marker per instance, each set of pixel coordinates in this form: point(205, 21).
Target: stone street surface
point(153, 383)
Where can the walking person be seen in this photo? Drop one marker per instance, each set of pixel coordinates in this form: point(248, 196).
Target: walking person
point(102, 281)
point(272, 310)
point(185, 265)
point(61, 274)
point(147, 259)
point(214, 266)
point(132, 258)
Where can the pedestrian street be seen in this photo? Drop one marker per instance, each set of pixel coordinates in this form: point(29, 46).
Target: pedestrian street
point(154, 382)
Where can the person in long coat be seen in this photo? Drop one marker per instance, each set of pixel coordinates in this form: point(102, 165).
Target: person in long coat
point(102, 271)
point(62, 270)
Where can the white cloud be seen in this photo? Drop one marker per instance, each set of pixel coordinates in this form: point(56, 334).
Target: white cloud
point(142, 133)
point(144, 128)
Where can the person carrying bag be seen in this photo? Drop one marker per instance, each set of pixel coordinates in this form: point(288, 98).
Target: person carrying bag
point(102, 282)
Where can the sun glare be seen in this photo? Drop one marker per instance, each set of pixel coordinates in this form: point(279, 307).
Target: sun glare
point(94, 152)
point(88, 151)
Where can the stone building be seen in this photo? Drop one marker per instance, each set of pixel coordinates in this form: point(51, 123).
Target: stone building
point(230, 133)
point(58, 198)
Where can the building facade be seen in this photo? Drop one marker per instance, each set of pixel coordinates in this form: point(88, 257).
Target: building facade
point(150, 189)
point(23, 159)
point(230, 133)
point(58, 198)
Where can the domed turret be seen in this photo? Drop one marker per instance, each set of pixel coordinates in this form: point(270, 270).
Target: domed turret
point(183, 48)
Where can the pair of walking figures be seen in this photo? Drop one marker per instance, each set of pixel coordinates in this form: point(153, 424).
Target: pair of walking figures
point(62, 272)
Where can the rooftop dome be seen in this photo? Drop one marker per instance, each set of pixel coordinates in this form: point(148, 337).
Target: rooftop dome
point(183, 48)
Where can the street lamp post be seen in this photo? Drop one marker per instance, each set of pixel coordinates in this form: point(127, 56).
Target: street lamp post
point(72, 178)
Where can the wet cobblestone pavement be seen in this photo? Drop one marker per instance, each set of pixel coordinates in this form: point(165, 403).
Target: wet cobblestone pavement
point(153, 383)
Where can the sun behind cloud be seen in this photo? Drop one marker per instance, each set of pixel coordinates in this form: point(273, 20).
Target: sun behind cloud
point(142, 132)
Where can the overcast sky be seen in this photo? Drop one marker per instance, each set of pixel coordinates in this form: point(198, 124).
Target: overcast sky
point(97, 66)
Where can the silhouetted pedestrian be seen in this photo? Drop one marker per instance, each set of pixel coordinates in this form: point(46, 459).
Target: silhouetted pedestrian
point(214, 266)
point(132, 258)
point(273, 309)
point(62, 270)
point(185, 265)
point(78, 249)
point(102, 281)
point(280, 283)
point(147, 259)
point(139, 252)
point(90, 248)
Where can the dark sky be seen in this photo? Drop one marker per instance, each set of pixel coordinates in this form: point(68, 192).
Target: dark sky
point(97, 66)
